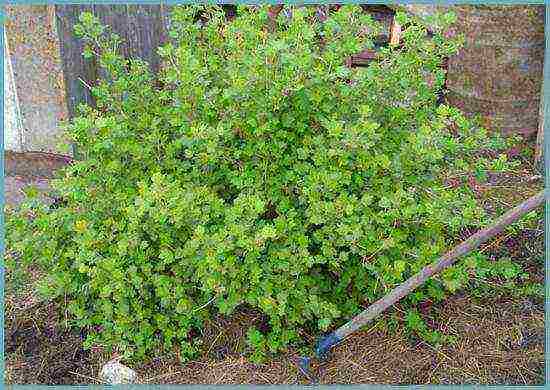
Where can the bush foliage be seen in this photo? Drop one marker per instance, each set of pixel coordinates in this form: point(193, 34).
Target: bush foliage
point(258, 169)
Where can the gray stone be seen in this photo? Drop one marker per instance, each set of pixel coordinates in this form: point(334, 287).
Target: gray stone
point(113, 372)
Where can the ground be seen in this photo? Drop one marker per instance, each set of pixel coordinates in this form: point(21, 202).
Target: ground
point(499, 331)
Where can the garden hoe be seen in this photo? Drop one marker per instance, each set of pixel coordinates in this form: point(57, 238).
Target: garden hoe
point(326, 343)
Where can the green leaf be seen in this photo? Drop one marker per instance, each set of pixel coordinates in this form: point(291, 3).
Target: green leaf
point(256, 168)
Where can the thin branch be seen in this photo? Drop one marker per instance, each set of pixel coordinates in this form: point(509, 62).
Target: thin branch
point(85, 83)
point(206, 304)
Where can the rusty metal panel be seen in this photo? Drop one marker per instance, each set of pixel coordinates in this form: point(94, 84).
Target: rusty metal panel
point(38, 76)
point(498, 73)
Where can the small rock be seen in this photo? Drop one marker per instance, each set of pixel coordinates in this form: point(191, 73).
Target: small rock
point(115, 373)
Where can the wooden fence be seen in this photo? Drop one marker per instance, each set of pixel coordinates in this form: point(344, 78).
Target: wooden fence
point(142, 29)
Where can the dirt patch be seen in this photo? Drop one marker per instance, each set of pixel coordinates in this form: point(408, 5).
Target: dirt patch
point(499, 337)
point(498, 341)
point(39, 349)
point(224, 336)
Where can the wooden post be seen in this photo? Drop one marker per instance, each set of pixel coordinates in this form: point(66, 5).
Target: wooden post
point(395, 33)
point(76, 69)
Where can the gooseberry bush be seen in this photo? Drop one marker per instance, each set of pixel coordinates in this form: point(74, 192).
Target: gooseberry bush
point(256, 169)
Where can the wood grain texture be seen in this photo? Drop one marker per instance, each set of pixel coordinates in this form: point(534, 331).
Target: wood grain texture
point(76, 69)
point(142, 28)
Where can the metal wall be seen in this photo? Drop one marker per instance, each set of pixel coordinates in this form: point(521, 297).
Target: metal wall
point(38, 78)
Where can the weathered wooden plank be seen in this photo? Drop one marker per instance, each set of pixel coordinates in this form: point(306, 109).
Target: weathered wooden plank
point(77, 70)
point(166, 14)
point(142, 28)
point(114, 17)
point(146, 31)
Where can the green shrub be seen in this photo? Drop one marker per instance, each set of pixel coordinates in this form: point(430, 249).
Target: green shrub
point(255, 169)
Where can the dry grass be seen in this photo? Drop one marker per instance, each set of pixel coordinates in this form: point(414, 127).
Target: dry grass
point(498, 342)
point(499, 337)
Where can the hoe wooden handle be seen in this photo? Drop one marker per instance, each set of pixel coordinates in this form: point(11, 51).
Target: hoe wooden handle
point(420, 278)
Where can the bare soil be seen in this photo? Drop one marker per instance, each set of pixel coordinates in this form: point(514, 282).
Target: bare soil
point(499, 335)
point(500, 340)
